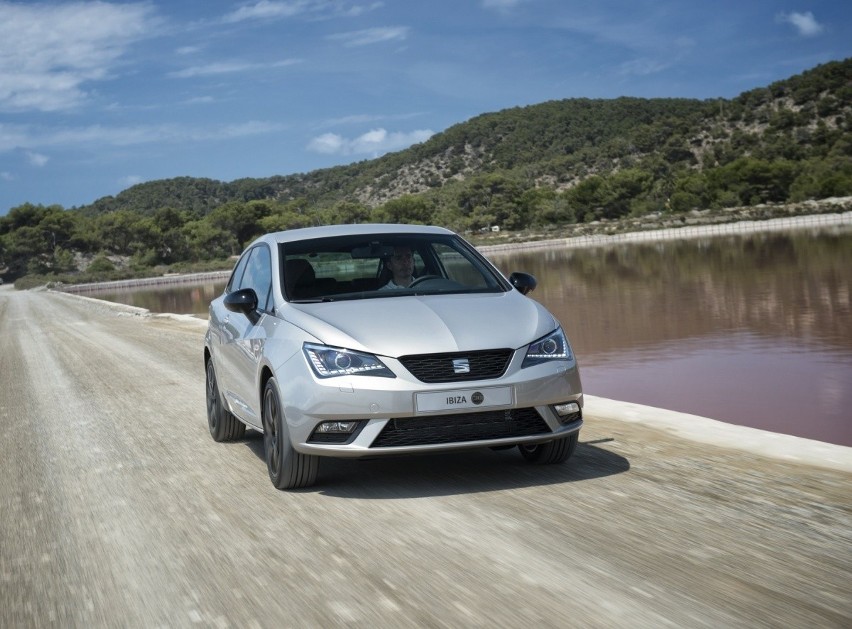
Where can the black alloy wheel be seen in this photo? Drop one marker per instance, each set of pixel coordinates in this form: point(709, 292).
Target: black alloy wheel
point(288, 469)
point(222, 424)
point(556, 451)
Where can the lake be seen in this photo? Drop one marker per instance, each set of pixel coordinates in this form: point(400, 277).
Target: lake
point(753, 330)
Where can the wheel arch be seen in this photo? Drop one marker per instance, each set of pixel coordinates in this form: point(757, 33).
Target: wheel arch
point(265, 375)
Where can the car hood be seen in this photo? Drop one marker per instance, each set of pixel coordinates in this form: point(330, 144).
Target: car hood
point(398, 326)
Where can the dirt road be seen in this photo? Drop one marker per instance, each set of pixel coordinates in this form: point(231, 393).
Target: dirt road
point(118, 509)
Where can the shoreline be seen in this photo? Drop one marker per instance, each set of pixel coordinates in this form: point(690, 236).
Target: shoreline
point(738, 228)
point(699, 429)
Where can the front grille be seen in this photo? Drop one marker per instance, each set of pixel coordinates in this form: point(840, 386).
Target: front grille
point(484, 365)
point(436, 429)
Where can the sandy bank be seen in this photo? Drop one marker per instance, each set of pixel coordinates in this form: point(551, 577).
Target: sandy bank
point(713, 432)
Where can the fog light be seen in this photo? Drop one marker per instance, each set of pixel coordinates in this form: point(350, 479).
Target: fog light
point(337, 427)
point(568, 408)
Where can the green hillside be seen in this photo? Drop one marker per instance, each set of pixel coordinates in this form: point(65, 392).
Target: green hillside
point(551, 164)
point(557, 144)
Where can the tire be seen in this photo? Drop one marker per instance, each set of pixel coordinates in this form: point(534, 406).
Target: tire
point(288, 469)
point(556, 451)
point(223, 425)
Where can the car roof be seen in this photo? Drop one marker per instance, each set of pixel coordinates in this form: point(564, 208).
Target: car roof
point(330, 231)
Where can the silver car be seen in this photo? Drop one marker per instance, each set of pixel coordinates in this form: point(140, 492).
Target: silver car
point(374, 340)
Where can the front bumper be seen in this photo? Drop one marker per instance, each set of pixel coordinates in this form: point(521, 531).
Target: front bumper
point(389, 405)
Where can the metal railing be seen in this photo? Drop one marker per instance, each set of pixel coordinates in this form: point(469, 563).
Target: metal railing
point(156, 282)
point(676, 233)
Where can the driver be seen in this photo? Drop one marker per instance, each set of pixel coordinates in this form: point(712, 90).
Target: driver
point(401, 266)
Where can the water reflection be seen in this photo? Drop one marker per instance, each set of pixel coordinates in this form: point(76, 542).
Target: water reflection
point(181, 299)
point(753, 330)
point(774, 284)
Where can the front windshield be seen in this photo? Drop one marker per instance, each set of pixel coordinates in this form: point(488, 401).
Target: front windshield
point(384, 265)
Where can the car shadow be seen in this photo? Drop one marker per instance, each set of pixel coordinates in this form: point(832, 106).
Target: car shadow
point(450, 473)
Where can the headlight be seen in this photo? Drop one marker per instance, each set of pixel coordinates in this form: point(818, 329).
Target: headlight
point(328, 362)
point(554, 346)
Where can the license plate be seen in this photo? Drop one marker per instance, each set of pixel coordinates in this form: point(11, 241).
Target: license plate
point(463, 399)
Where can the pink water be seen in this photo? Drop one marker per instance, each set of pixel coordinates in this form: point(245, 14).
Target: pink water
point(762, 382)
point(754, 330)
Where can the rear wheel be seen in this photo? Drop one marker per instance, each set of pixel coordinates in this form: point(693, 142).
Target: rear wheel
point(223, 425)
point(556, 451)
point(288, 469)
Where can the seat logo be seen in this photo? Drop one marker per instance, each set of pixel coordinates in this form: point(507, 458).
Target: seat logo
point(461, 365)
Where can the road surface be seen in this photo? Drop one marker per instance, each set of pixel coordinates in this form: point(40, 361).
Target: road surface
point(118, 510)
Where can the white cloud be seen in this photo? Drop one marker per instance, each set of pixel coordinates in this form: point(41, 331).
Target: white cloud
point(50, 51)
point(198, 100)
point(230, 67)
point(7, 176)
point(279, 9)
point(360, 9)
point(501, 5)
point(36, 159)
point(643, 67)
point(328, 144)
point(374, 142)
point(371, 36)
point(99, 136)
point(362, 119)
point(265, 9)
point(129, 180)
point(353, 119)
point(805, 23)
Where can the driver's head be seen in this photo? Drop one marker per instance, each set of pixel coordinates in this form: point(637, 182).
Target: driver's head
point(401, 265)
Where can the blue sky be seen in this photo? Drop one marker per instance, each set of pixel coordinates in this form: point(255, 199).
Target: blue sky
point(98, 96)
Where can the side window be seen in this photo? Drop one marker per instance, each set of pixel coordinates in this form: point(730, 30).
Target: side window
point(237, 275)
point(459, 268)
point(419, 264)
point(258, 276)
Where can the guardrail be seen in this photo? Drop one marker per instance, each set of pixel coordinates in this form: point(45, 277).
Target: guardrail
point(677, 233)
point(158, 282)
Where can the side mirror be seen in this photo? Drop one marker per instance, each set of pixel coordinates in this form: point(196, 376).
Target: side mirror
point(524, 282)
point(243, 301)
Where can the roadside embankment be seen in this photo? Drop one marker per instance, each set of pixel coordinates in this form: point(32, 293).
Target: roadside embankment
point(717, 433)
point(816, 221)
point(153, 282)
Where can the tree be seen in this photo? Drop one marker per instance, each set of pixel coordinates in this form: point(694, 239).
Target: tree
point(243, 220)
point(625, 187)
point(588, 198)
point(345, 213)
point(406, 209)
point(117, 231)
point(206, 241)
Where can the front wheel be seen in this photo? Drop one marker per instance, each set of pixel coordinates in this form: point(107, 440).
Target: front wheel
point(556, 451)
point(222, 424)
point(288, 469)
